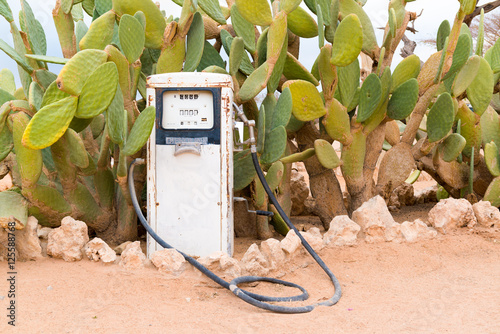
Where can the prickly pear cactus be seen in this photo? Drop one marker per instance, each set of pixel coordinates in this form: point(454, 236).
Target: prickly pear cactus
point(70, 136)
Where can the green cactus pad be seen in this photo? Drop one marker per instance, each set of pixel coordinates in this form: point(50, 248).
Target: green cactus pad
point(403, 100)
point(100, 33)
point(353, 156)
point(122, 65)
point(480, 91)
point(441, 117)
point(7, 81)
point(5, 96)
point(246, 66)
point(321, 28)
point(493, 192)
point(470, 128)
point(302, 24)
point(369, 40)
point(348, 78)
point(283, 109)
point(74, 74)
point(28, 160)
point(35, 96)
point(466, 75)
point(407, 69)
point(277, 72)
point(13, 208)
point(307, 102)
point(443, 32)
point(155, 21)
point(261, 129)
point(213, 9)
point(326, 154)
point(460, 56)
point(98, 92)
point(300, 156)
point(78, 154)
point(210, 57)
point(275, 174)
point(236, 55)
point(493, 57)
point(172, 57)
point(337, 123)
point(492, 158)
point(370, 95)
point(294, 70)
point(289, 5)
point(244, 171)
point(468, 6)
point(48, 197)
point(452, 146)
point(215, 69)
point(50, 123)
point(195, 43)
point(114, 119)
point(274, 146)
point(276, 37)
point(257, 12)
point(348, 41)
point(33, 28)
point(255, 83)
point(141, 130)
point(243, 28)
point(132, 37)
point(6, 143)
point(5, 11)
point(490, 126)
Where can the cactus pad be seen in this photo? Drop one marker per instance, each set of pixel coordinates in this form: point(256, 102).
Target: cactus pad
point(307, 102)
point(296, 157)
point(141, 130)
point(492, 158)
point(155, 21)
point(337, 123)
point(493, 192)
point(100, 33)
point(50, 123)
point(275, 145)
point(13, 208)
point(441, 117)
point(283, 109)
point(348, 41)
point(480, 91)
point(257, 12)
point(452, 146)
point(195, 43)
point(74, 74)
point(443, 32)
point(326, 154)
point(370, 95)
point(244, 170)
point(403, 100)
point(132, 38)
point(244, 29)
point(406, 69)
point(302, 24)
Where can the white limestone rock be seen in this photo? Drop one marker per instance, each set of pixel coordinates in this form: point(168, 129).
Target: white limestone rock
point(27, 242)
point(377, 224)
point(274, 254)
point(291, 243)
point(132, 257)
point(314, 238)
point(67, 241)
point(417, 230)
point(342, 232)
point(97, 250)
point(169, 261)
point(450, 214)
point(486, 214)
point(254, 261)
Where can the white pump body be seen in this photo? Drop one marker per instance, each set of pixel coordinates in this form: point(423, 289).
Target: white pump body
point(190, 162)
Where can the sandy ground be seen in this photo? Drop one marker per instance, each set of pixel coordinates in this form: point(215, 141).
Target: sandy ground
point(450, 284)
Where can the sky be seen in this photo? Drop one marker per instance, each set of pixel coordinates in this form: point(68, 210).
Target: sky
point(434, 12)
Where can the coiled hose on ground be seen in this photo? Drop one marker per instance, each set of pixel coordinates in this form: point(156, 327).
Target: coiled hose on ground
point(251, 298)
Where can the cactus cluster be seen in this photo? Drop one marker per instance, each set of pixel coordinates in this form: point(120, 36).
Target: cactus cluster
point(72, 134)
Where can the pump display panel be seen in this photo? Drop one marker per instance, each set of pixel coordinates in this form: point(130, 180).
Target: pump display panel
point(188, 110)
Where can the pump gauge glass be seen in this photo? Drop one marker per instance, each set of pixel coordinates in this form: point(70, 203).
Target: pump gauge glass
point(189, 110)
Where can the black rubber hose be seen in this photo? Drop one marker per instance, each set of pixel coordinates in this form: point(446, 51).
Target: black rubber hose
point(251, 298)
